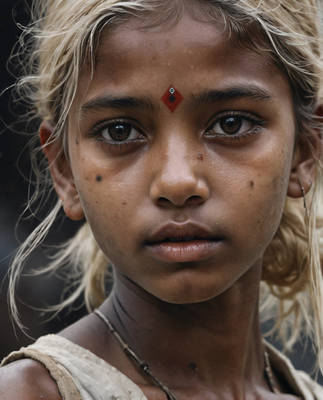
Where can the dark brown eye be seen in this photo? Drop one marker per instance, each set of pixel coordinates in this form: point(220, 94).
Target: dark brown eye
point(235, 125)
point(119, 131)
point(231, 125)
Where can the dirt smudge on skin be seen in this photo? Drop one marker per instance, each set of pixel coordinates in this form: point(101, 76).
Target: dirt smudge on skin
point(276, 182)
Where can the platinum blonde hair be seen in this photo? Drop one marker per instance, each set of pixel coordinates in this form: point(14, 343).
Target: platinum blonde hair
point(65, 35)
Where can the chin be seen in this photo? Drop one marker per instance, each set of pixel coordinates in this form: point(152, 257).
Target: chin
point(190, 293)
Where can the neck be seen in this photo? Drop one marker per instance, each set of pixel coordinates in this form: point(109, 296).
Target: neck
point(215, 344)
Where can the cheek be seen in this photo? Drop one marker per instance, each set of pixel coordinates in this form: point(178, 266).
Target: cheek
point(108, 221)
point(270, 199)
point(264, 199)
point(108, 201)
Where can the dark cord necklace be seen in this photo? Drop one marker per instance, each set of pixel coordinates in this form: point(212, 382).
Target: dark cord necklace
point(144, 367)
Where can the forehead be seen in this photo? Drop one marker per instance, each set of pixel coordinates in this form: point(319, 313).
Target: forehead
point(189, 52)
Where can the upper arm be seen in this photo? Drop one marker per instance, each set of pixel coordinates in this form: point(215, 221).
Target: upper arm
point(27, 380)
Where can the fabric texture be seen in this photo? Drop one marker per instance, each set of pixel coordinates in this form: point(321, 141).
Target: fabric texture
point(81, 375)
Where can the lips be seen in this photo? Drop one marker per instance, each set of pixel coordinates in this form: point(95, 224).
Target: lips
point(183, 242)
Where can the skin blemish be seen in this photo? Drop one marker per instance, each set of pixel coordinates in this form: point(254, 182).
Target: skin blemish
point(77, 141)
point(252, 184)
point(200, 157)
point(275, 182)
point(99, 178)
point(192, 366)
point(124, 203)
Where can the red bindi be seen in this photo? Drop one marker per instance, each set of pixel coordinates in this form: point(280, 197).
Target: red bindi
point(172, 98)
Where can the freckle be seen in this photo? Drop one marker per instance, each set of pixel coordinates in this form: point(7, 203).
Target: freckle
point(200, 157)
point(192, 366)
point(124, 203)
point(252, 184)
point(99, 178)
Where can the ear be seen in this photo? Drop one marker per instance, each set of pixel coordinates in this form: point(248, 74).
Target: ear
point(61, 172)
point(308, 150)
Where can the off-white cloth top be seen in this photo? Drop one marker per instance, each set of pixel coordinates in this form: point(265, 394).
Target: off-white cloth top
point(81, 375)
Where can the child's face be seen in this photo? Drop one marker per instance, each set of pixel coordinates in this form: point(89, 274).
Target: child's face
point(219, 163)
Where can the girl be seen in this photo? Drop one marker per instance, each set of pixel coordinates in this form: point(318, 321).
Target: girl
point(187, 134)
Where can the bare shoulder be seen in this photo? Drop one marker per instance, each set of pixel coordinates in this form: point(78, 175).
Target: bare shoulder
point(27, 380)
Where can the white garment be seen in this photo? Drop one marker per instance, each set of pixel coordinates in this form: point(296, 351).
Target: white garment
point(81, 375)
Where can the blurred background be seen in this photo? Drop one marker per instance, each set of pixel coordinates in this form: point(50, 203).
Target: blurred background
point(35, 292)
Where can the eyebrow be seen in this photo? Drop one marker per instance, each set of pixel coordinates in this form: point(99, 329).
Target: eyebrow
point(232, 93)
point(211, 96)
point(117, 103)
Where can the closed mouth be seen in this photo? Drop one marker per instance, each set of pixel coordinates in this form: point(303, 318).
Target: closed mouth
point(182, 239)
point(176, 233)
point(183, 243)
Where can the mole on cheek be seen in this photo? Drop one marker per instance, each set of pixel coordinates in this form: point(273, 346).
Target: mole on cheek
point(252, 184)
point(192, 366)
point(99, 178)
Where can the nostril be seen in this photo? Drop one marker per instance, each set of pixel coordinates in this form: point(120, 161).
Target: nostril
point(163, 202)
point(194, 200)
point(190, 201)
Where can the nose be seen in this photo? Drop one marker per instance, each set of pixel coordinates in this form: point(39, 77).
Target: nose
point(178, 181)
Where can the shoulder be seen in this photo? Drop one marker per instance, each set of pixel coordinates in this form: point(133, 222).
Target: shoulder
point(311, 386)
point(27, 380)
point(297, 381)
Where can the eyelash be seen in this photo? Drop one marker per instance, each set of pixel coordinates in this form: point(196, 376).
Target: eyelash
point(123, 145)
point(98, 130)
point(256, 122)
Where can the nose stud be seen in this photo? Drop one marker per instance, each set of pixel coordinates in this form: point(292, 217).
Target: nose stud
point(172, 98)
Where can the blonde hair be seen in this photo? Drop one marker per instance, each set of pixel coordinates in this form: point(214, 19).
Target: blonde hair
point(65, 35)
